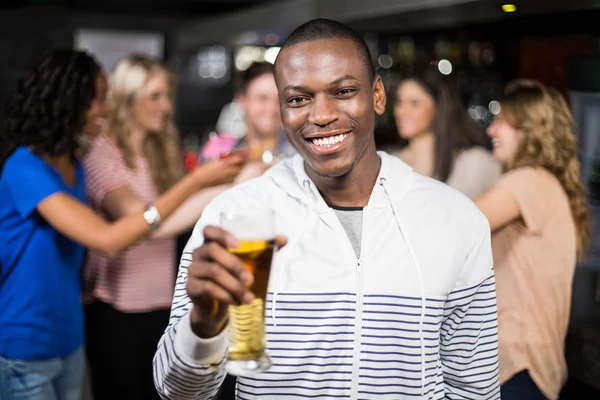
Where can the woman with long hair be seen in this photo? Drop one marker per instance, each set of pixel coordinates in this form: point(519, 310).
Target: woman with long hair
point(540, 225)
point(45, 224)
point(134, 162)
point(443, 143)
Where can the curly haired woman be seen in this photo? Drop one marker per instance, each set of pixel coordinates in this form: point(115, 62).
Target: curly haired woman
point(541, 224)
point(45, 224)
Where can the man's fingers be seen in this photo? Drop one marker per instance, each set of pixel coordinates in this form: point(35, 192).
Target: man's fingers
point(216, 273)
point(221, 236)
point(223, 278)
point(214, 252)
point(226, 240)
point(206, 289)
point(280, 241)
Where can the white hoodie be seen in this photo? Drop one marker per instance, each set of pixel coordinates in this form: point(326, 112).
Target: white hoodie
point(414, 317)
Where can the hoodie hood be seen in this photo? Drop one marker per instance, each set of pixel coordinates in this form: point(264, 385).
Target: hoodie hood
point(292, 178)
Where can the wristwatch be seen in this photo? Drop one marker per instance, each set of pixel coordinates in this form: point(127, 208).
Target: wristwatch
point(152, 216)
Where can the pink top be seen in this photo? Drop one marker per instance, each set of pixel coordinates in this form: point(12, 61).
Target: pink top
point(142, 278)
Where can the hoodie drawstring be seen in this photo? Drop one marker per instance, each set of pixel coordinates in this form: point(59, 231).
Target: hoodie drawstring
point(382, 182)
point(306, 185)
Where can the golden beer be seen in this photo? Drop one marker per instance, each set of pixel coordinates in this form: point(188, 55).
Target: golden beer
point(246, 322)
point(255, 230)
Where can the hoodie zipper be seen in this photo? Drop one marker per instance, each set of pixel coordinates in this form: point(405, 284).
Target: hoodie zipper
point(359, 307)
point(358, 331)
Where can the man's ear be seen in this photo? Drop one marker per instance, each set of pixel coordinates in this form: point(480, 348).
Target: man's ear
point(379, 96)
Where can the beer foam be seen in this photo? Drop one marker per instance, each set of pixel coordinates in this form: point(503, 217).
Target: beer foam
point(250, 224)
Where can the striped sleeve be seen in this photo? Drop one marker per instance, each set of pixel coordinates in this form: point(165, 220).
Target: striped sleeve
point(105, 170)
point(469, 332)
point(185, 366)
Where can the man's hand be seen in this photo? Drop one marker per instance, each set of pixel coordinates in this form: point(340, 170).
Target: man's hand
point(217, 279)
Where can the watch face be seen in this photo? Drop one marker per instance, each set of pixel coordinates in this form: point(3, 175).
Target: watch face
point(150, 215)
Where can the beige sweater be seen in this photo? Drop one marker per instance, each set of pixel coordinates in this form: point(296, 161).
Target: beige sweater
point(475, 170)
point(534, 264)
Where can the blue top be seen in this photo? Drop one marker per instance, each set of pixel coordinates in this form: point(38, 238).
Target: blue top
point(41, 315)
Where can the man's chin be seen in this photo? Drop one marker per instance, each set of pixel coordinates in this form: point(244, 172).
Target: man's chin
point(332, 174)
point(339, 170)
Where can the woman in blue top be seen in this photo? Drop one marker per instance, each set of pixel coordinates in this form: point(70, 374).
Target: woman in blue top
point(45, 224)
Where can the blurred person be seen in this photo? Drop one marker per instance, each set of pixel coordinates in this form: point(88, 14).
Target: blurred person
point(443, 142)
point(231, 120)
point(541, 224)
point(45, 224)
point(136, 161)
point(357, 298)
point(257, 97)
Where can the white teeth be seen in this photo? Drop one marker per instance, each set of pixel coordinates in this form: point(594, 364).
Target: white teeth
point(330, 140)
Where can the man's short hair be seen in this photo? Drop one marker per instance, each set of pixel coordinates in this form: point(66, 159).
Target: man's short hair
point(321, 28)
point(255, 70)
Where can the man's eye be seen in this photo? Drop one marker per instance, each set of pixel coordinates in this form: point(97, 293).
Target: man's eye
point(296, 101)
point(346, 92)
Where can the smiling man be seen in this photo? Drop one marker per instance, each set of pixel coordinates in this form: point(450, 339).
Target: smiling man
point(385, 289)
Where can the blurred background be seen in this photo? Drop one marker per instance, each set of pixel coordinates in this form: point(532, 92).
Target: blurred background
point(483, 44)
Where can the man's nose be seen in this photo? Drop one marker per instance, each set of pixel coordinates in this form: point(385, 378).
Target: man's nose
point(323, 111)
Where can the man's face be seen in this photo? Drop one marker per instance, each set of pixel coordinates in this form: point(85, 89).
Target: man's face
point(328, 103)
point(261, 107)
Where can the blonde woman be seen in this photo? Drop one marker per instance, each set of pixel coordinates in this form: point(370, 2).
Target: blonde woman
point(541, 224)
point(136, 161)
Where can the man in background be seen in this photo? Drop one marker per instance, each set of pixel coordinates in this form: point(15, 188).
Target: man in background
point(257, 97)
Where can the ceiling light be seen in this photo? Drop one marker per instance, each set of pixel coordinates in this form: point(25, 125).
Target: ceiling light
point(445, 67)
point(509, 8)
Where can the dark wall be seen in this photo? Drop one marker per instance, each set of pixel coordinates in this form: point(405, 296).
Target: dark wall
point(27, 33)
point(199, 103)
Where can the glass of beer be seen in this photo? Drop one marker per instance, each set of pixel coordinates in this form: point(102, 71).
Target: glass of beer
point(255, 229)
